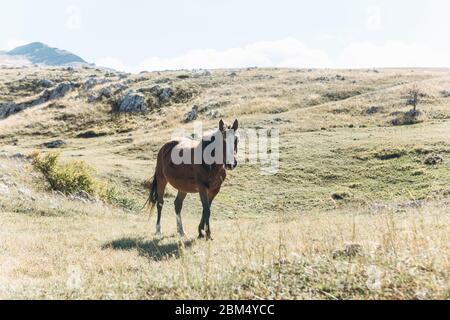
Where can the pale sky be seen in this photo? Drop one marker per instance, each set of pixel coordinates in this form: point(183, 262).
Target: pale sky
point(136, 35)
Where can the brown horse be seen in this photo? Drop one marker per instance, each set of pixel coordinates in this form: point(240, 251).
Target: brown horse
point(194, 166)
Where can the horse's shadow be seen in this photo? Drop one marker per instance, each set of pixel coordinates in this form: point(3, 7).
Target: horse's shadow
point(153, 249)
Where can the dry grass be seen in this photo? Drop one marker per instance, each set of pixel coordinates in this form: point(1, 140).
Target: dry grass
point(355, 211)
point(333, 255)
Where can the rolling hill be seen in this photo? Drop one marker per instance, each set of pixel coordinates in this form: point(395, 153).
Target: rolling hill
point(359, 208)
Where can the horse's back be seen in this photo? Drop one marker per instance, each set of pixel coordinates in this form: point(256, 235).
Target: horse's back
point(185, 143)
point(181, 176)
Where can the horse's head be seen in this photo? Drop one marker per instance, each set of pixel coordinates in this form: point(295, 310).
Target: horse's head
point(230, 144)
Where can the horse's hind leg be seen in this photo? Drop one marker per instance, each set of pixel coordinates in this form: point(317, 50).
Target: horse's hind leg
point(161, 188)
point(178, 207)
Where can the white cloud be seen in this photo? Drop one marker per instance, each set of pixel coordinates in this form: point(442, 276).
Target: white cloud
point(288, 52)
point(291, 53)
point(113, 63)
point(391, 54)
point(73, 21)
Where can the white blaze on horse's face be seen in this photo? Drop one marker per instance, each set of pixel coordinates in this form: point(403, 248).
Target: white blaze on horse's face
point(231, 141)
point(229, 148)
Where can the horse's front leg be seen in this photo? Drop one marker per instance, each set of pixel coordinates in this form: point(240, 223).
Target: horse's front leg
point(204, 226)
point(178, 207)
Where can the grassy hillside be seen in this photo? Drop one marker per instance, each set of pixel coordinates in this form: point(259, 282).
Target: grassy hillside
point(359, 207)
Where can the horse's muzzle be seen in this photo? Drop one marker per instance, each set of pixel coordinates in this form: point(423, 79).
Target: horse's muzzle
point(231, 166)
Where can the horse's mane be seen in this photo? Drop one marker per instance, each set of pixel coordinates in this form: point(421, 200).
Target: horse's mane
point(209, 135)
point(206, 136)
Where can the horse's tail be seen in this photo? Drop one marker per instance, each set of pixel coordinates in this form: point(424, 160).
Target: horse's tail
point(152, 185)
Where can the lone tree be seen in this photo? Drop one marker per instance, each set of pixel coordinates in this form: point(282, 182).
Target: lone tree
point(413, 97)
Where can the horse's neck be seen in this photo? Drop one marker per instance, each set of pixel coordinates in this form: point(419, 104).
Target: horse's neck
point(214, 171)
point(210, 135)
point(207, 139)
point(217, 168)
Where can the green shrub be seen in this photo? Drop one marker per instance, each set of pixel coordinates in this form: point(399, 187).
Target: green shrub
point(68, 178)
point(114, 196)
point(76, 176)
point(406, 118)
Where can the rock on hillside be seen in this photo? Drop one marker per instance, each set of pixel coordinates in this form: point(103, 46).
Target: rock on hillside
point(9, 108)
point(132, 102)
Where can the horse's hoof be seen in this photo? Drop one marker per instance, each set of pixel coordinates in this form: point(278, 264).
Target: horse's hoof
point(180, 232)
point(201, 234)
point(158, 234)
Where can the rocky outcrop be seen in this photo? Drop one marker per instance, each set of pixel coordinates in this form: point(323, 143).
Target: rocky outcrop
point(60, 90)
point(214, 114)
point(165, 95)
point(161, 95)
point(54, 144)
point(51, 94)
point(211, 111)
point(92, 82)
point(201, 73)
point(132, 102)
point(192, 115)
point(46, 83)
point(118, 87)
point(10, 108)
point(102, 93)
point(105, 93)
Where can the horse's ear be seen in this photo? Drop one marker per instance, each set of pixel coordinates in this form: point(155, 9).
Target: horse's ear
point(235, 125)
point(221, 125)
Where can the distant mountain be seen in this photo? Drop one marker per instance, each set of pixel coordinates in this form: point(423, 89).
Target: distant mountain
point(40, 53)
